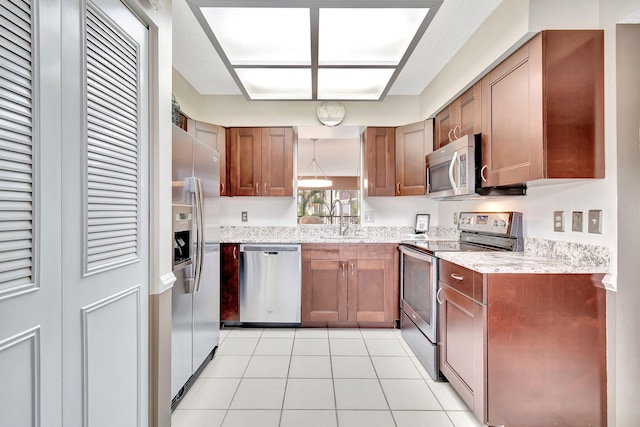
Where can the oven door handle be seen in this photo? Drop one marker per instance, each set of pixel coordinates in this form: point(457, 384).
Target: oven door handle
point(415, 254)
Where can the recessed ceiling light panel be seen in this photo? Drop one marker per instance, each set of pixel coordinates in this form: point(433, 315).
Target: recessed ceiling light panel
point(366, 36)
point(276, 83)
point(352, 83)
point(262, 36)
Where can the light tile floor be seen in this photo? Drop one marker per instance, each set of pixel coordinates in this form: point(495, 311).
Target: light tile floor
point(318, 378)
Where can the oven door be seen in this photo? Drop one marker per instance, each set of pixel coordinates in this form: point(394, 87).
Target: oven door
point(418, 287)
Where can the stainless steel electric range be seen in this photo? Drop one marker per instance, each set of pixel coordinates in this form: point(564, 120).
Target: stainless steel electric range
point(479, 231)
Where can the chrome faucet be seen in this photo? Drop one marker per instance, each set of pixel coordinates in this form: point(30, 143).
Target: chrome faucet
point(344, 225)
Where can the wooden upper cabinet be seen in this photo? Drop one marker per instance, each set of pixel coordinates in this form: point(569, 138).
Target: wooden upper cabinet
point(413, 143)
point(261, 161)
point(379, 165)
point(215, 137)
point(543, 110)
point(462, 117)
point(277, 162)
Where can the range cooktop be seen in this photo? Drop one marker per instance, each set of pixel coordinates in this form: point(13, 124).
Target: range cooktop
point(479, 231)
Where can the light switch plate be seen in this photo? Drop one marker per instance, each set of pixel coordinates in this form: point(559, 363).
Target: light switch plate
point(558, 221)
point(576, 221)
point(595, 221)
point(244, 216)
point(455, 218)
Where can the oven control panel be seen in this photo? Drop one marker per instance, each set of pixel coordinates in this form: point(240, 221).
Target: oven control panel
point(501, 223)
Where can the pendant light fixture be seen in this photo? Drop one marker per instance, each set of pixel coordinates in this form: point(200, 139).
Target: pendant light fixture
point(311, 180)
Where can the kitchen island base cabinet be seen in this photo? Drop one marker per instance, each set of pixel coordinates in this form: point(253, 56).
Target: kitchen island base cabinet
point(527, 349)
point(349, 285)
point(229, 282)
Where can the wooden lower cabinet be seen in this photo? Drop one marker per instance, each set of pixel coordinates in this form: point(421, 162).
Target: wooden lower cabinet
point(349, 285)
point(525, 349)
point(229, 282)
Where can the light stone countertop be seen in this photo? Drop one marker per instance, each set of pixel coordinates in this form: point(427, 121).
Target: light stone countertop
point(539, 256)
point(518, 262)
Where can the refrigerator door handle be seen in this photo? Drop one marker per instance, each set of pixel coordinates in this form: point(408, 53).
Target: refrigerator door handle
point(200, 221)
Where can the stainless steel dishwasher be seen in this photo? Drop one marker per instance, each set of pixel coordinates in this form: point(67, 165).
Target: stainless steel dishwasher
point(270, 283)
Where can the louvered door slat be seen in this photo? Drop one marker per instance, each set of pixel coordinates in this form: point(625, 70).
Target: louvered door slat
point(16, 146)
point(112, 145)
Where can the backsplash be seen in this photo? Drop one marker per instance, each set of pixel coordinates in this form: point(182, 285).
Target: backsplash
point(571, 252)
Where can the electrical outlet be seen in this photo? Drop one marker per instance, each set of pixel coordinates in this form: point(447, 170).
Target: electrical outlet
point(368, 216)
point(558, 221)
point(455, 218)
point(595, 222)
point(576, 221)
point(244, 216)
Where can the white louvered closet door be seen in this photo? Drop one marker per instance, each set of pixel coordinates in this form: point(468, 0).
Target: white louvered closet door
point(30, 192)
point(104, 215)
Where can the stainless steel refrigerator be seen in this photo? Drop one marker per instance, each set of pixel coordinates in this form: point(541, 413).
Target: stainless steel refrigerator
point(195, 321)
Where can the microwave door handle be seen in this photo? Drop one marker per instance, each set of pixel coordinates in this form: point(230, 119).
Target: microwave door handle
point(452, 180)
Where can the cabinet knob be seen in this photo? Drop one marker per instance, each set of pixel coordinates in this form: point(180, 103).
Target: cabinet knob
point(449, 135)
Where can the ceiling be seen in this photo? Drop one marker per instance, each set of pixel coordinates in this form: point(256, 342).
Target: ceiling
point(195, 58)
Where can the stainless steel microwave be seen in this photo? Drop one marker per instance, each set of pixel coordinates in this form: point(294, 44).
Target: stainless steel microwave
point(454, 172)
point(451, 169)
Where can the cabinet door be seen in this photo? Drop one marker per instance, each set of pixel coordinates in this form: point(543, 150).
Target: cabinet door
point(412, 145)
point(277, 162)
point(379, 145)
point(444, 124)
point(470, 113)
point(462, 346)
point(324, 290)
point(512, 118)
point(223, 148)
point(229, 282)
point(245, 161)
point(371, 288)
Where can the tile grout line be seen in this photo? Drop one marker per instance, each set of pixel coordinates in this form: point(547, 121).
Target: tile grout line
point(378, 378)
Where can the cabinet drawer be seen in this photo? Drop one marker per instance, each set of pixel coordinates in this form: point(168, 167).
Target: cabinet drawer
point(456, 277)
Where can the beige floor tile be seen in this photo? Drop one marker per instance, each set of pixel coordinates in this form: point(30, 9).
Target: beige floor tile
point(268, 367)
point(278, 333)
point(308, 418)
point(447, 396)
point(274, 347)
point(197, 417)
point(210, 393)
point(309, 394)
point(237, 346)
point(395, 367)
point(226, 366)
point(344, 333)
point(311, 347)
point(382, 347)
point(352, 367)
point(422, 418)
point(365, 418)
point(252, 418)
point(259, 393)
point(464, 419)
point(312, 333)
point(409, 395)
point(359, 394)
point(310, 367)
point(347, 347)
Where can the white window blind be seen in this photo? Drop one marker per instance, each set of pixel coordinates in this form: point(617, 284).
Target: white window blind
point(16, 146)
point(112, 215)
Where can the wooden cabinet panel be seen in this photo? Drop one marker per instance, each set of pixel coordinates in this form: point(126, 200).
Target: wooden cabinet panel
point(413, 143)
point(462, 117)
point(462, 347)
point(229, 282)
point(217, 138)
point(349, 285)
point(379, 168)
point(277, 162)
point(223, 148)
point(541, 106)
point(534, 354)
point(261, 161)
point(546, 350)
point(245, 161)
point(324, 291)
point(443, 126)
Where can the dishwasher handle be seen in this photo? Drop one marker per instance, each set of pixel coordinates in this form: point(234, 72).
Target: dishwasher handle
point(269, 249)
